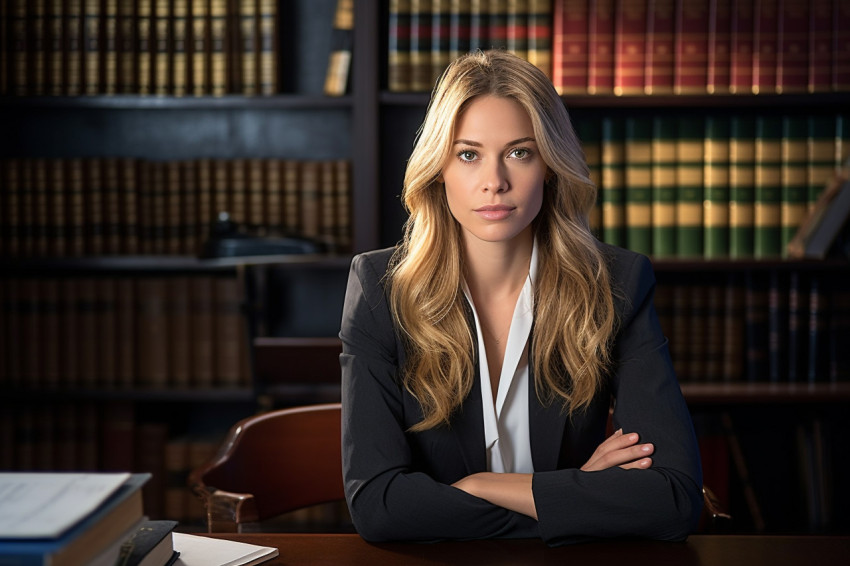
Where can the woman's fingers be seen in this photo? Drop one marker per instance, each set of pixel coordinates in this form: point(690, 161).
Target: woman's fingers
point(620, 450)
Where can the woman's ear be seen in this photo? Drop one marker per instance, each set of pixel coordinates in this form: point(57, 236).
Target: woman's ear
point(440, 179)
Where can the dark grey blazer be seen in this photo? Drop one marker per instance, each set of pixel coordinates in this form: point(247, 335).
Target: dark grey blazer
point(398, 484)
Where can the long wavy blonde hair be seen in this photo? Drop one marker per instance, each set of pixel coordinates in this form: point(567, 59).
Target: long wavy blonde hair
point(573, 306)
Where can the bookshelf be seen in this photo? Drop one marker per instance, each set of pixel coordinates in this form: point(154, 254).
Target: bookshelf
point(373, 128)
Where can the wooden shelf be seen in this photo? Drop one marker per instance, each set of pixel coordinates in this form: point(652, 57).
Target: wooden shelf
point(661, 101)
point(167, 264)
point(765, 393)
point(160, 102)
point(207, 395)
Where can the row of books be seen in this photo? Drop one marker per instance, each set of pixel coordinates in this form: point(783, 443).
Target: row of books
point(425, 35)
point(759, 327)
point(627, 47)
point(719, 186)
point(108, 206)
point(122, 333)
point(161, 47)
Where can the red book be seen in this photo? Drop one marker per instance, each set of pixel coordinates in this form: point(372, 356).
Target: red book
point(741, 49)
point(841, 46)
point(569, 49)
point(660, 24)
point(792, 63)
point(765, 43)
point(630, 28)
point(691, 69)
point(820, 46)
point(600, 47)
point(719, 46)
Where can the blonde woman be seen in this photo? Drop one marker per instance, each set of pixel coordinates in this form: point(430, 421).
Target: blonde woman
point(482, 354)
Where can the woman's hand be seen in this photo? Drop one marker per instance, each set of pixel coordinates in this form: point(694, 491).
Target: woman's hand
point(511, 491)
point(620, 450)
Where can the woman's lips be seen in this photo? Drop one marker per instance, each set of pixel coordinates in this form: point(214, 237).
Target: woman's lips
point(494, 211)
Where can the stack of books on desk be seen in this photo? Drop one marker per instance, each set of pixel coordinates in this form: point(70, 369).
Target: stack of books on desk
point(77, 519)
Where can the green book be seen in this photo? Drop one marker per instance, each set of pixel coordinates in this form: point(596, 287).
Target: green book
point(716, 186)
point(821, 155)
point(768, 187)
point(613, 181)
point(638, 195)
point(742, 156)
point(794, 177)
point(689, 180)
point(589, 133)
point(664, 186)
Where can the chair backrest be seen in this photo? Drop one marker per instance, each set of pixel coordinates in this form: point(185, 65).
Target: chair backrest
point(273, 463)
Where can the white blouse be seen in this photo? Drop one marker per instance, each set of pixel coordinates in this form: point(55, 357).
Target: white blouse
point(507, 434)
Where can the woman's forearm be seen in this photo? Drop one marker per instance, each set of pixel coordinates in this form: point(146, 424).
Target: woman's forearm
point(511, 491)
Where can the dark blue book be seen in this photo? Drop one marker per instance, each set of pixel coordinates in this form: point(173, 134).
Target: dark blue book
point(88, 539)
point(150, 545)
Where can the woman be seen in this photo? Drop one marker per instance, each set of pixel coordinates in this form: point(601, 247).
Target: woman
point(481, 356)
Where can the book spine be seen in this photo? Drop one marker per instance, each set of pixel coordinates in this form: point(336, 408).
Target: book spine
point(689, 179)
point(741, 48)
point(173, 222)
point(755, 306)
point(111, 206)
point(128, 55)
point(189, 222)
point(228, 334)
point(88, 331)
point(613, 181)
point(399, 71)
point(152, 332)
point(839, 334)
point(742, 158)
point(768, 187)
point(327, 203)
point(180, 47)
point(106, 318)
point(733, 330)
point(126, 329)
point(629, 43)
point(458, 28)
point(94, 206)
point(201, 50)
point(41, 208)
point(638, 193)
point(19, 40)
point(203, 172)
point(816, 332)
point(92, 42)
point(179, 332)
point(792, 64)
point(601, 47)
point(777, 327)
point(36, 39)
point(420, 46)
point(76, 214)
point(794, 171)
point(697, 331)
point(840, 74)
point(109, 47)
point(714, 327)
point(218, 46)
point(691, 68)
point(440, 32)
point(273, 195)
point(176, 497)
point(343, 204)
point(54, 45)
point(820, 46)
point(716, 187)
point(257, 207)
point(163, 38)
point(518, 28)
point(57, 234)
point(292, 197)
point(478, 25)
point(26, 196)
point(664, 191)
point(238, 191)
point(719, 46)
point(203, 331)
point(148, 443)
point(248, 35)
point(11, 215)
point(660, 47)
point(797, 327)
point(129, 186)
point(310, 199)
point(569, 47)
point(497, 24)
point(269, 46)
point(820, 155)
point(765, 30)
point(540, 45)
point(144, 39)
point(221, 178)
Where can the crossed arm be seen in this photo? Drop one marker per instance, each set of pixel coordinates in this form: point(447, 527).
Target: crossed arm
point(513, 491)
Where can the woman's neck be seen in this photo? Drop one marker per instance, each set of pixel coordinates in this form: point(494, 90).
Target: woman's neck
point(496, 270)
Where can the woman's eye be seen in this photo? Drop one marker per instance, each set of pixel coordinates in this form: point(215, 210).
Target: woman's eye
point(520, 153)
point(466, 155)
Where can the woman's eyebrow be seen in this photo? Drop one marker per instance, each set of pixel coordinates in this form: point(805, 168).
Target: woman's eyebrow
point(477, 144)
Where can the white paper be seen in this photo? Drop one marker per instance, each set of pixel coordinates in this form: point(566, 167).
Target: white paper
point(207, 551)
point(45, 505)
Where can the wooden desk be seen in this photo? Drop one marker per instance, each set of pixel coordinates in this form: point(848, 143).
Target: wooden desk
point(702, 550)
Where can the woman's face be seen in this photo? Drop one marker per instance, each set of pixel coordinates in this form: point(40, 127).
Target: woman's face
point(494, 174)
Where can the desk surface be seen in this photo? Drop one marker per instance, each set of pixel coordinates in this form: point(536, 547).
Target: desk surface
point(703, 550)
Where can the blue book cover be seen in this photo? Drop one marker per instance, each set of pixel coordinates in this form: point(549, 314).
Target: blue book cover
point(87, 538)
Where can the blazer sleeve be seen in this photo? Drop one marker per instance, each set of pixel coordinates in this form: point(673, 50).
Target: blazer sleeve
point(388, 498)
point(664, 501)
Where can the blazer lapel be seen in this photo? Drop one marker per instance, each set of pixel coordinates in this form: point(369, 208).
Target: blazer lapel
point(546, 427)
point(468, 425)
